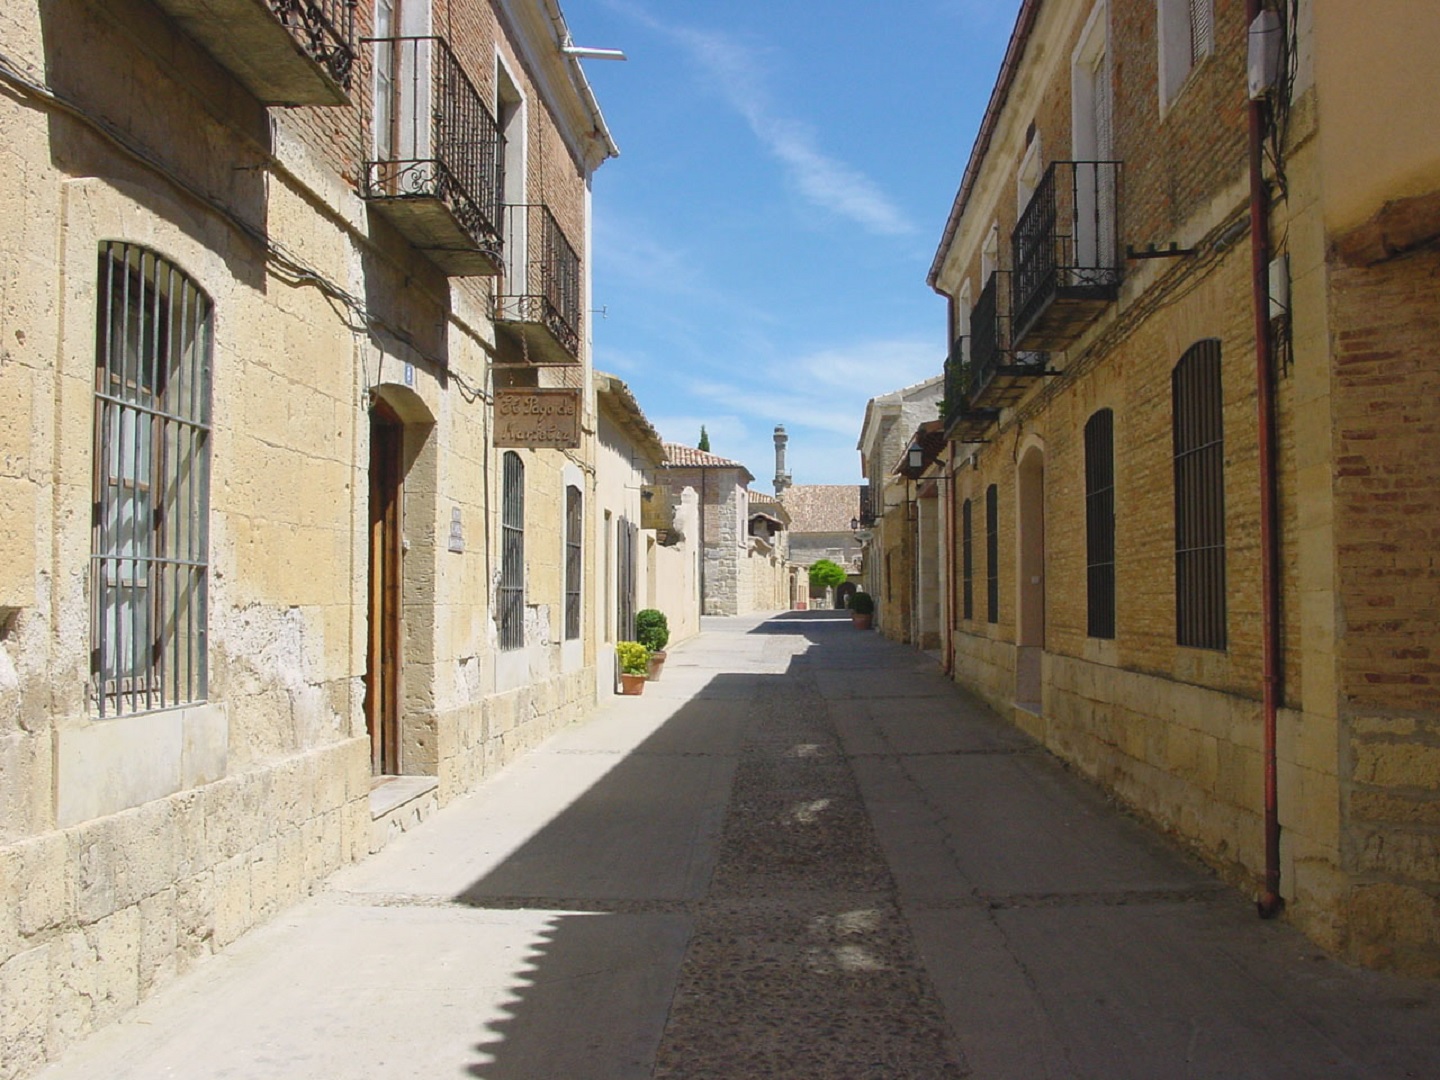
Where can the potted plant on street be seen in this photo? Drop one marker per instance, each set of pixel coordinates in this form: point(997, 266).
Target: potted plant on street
point(862, 610)
point(653, 631)
point(634, 660)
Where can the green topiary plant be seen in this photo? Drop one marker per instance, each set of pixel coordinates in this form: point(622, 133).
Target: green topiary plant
point(825, 574)
point(651, 629)
point(862, 603)
point(634, 657)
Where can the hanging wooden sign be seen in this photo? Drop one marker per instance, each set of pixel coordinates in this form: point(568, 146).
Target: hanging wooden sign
point(533, 419)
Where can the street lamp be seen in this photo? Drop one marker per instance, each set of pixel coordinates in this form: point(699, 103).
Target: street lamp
point(915, 457)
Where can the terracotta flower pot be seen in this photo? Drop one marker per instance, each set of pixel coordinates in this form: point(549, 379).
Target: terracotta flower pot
point(862, 622)
point(633, 685)
point(657, 665)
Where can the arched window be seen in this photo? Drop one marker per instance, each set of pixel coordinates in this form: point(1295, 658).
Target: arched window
point(512, 554)
point(1198, 403)
point(1100, 524)
point(150, 538)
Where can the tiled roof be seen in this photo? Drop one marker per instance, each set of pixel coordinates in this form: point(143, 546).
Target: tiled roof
point(816, 508)
point(687, 457)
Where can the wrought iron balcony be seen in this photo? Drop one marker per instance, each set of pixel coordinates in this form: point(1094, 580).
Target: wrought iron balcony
point(1067, 258)
point(437, 170)
point(287, 52)
point(963, 421)
point(999, 375)
point(540, 303)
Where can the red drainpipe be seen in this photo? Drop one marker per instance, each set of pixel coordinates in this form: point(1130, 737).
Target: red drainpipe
point(1270, 901)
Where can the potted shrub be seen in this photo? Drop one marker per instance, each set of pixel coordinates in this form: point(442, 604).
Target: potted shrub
point(862, 609)
point(634, 660)
point(652, 631)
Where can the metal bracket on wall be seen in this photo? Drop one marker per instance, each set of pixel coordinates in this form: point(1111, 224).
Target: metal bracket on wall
point(1153, 251)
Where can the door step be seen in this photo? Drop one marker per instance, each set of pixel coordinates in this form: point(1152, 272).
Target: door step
point(398, 804)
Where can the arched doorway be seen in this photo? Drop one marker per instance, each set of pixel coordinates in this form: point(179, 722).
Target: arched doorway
point(400, 582)
point(844, 593)
point(1030, 577)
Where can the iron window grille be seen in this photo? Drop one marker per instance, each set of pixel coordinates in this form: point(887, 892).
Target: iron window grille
point(1198, 403)
point(574, 550)
point(627, 536)
point(149, 562)
point(434, 137)
point(992, 554)
point(512, 554)
point(967, 560)
point(1100, 524)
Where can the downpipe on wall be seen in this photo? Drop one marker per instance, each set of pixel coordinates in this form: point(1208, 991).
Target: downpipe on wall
point(1270, 902)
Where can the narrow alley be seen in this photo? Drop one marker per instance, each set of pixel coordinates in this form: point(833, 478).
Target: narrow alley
point(802, 853)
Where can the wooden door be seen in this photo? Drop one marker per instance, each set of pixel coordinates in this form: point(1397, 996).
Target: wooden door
point(382, 663)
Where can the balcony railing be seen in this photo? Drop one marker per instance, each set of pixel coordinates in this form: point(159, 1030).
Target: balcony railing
point(437, 170)
point(964, 422)
point(540, 301)
point(999, 375)
point(1067, 258)
point(287, 52)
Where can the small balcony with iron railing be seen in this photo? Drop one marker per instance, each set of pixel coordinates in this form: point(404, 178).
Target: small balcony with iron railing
point(964, 422)
point(286, 52)
point(999, 375)
point(437, 166)
point(539, 304)
point(1067, 257)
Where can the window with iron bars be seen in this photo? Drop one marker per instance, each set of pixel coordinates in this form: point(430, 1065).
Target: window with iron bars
point(574, 550)
point(150, 527)
point(1100, 524)
point(1199, 438)
point(992, 554)
point(967, 560)
point(512, 554)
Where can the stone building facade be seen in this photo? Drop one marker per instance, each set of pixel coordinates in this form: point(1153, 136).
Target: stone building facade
point(889, 561)
point(648, 547)
point(1190, 460)
point(738, 575)
point(269, 590)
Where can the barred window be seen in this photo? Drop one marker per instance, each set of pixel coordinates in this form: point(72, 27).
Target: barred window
point(628, 540)
point(992, 554)
point(512, 554)
point(1198, 402)
point(150, 532)
point(967, 561)
point(1100, 524)
point(574, 550)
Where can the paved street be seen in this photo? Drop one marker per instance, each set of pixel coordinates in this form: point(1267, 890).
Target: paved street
point(803, 853)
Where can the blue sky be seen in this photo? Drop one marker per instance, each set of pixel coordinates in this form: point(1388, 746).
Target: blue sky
point(762, 242)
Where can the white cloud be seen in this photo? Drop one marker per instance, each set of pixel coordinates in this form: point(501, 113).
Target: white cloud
point(825, 181)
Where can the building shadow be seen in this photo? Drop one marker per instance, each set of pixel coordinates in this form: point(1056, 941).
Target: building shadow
point(127, 83)
point(619, 874)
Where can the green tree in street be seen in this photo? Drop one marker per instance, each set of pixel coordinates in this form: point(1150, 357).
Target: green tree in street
point(704, 440)
point(825, 574)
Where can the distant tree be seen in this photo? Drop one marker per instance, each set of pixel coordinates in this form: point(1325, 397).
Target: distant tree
point(704, 440)
point(825, 574)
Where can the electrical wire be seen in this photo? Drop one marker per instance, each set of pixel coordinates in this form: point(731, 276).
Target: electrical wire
point(352, 311)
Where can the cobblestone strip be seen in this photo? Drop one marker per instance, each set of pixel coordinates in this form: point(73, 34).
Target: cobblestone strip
point(801, 965)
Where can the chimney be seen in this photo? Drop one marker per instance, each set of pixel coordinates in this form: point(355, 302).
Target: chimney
point(782, 478)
